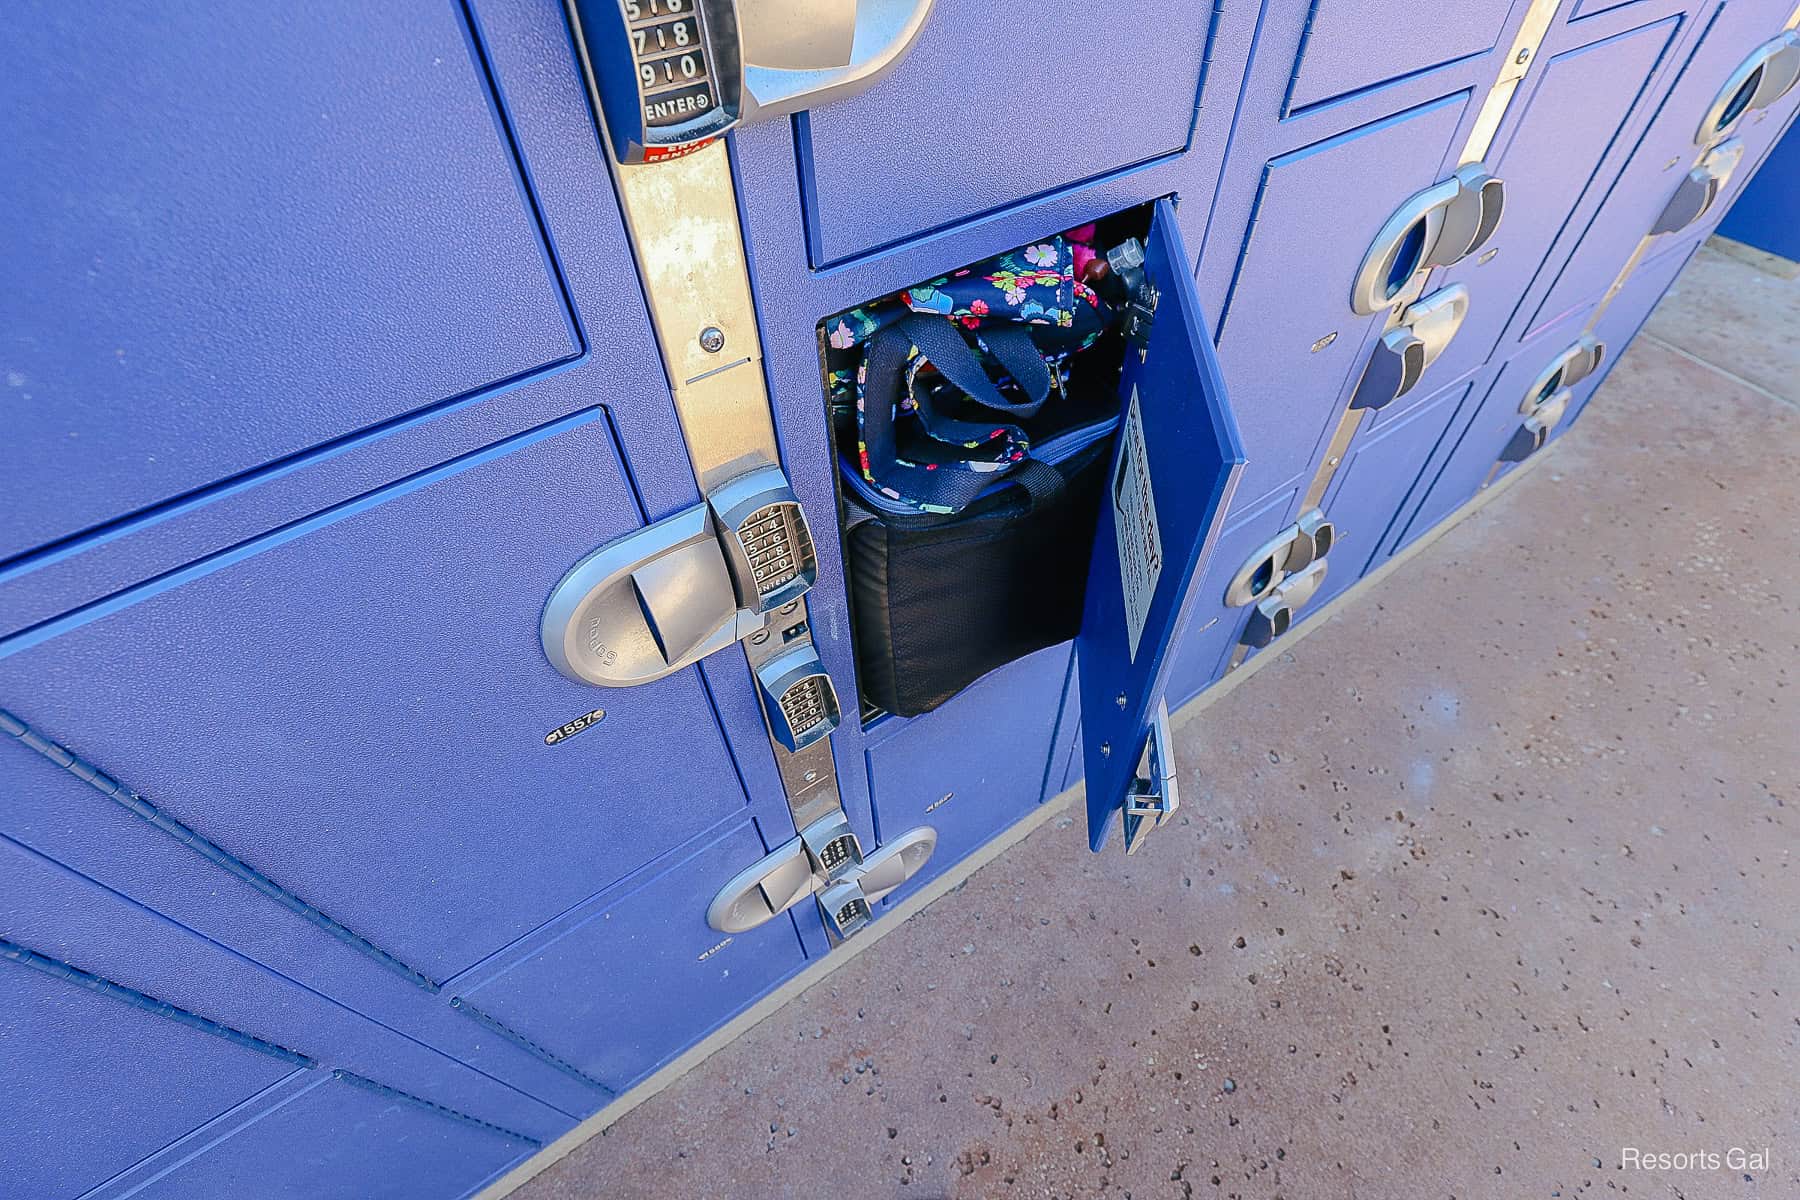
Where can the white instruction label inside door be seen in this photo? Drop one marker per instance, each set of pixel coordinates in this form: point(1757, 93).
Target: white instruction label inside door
point(1134, 524)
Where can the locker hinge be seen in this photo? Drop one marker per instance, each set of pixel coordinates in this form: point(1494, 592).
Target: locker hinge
point(1153, 797)
point(826, 861)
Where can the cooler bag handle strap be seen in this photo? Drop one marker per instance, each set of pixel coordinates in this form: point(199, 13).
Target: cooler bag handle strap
point(943, 346)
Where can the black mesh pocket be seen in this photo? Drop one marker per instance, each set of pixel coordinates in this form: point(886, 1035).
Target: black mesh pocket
point(939, 601)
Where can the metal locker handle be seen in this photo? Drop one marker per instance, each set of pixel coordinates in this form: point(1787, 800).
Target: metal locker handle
point(846, 882)
point(1570, 367)
point(1700, 188)
point(656, 600)
point(1768, 74)
point(1274, 614)
point(1291, 550)
point(803, 53)
point(1436, 227)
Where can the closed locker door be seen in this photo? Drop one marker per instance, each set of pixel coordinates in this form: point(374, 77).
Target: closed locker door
point(1728, 35)
point(1491, 442)
point(146, 1060)
point(331, 362)
point(1577, 116)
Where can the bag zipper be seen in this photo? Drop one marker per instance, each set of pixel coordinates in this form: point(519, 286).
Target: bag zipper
point(1061, 448)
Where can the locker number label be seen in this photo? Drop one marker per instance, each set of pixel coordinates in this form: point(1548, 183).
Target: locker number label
point(1134, 525)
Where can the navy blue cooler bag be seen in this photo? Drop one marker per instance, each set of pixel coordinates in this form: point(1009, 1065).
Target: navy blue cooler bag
point(975, 416)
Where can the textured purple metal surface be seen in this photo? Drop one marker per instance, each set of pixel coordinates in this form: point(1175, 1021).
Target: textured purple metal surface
point(1353, 45)
point(188, 1030)
point(930, 771)
point(1380, 473)
point(229, 256)
point(1727, 34)
point(944, 140)
point(1317, 210)
point(1571, 121)
point(618, 987)
point(361, 710)
point(339, 1140)
point(126, 1083)
point(340, 312)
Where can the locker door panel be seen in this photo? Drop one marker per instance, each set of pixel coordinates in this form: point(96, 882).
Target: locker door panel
point(1379, 475)
point(1635, 199)
point(339, 1139)
point(1569, 123)
point(1624, 318)
point(619, 987)
point(1289, 338)
point(988, 109)
point(1472, 465)
point(1352, 45)
point(92, 1084)
point(931, 771)
point(357, 707)
point(129, 1036)
point(227, 254)
point(1215, 625)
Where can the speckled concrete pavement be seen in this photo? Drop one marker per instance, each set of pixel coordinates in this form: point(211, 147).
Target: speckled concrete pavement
point(1488, 879)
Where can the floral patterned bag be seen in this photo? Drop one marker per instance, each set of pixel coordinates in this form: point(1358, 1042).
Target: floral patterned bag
point(989, 342)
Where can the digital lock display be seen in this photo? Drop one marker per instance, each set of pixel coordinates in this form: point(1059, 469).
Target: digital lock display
point(665, 74)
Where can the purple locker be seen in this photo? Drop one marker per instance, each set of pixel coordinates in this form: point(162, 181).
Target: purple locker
point(876, 170)
point(618, 987)
point(1576, 115)
point(1381, 472)
point(200, 230)
point(127, 1033)
point(1338, 57)
point(974, 766)
point(1474, 463)
point(1727, 33)
point(338, 1138)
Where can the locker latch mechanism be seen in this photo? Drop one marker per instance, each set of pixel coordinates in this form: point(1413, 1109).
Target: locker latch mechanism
point(654, 601)
point(1547, 399)
point(826, 860)
point(1153, 797)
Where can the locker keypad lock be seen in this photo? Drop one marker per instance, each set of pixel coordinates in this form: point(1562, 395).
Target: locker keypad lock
point(1761, 79)
point(1291, 551)
point(1700, 187)
point(669, 76)
point(1436, 227)
point(797, 696)
point(658, 599)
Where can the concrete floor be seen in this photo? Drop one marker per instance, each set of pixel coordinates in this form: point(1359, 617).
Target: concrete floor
point(1486, 880)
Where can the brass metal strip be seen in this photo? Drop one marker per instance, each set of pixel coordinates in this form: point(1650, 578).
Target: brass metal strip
point(1513, 69)
point(682, 216)
point(1643, 246)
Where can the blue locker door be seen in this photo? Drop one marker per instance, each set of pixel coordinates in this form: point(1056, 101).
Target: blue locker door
point(1177, 458)
point(329, 361)
point(138, 1054)
point(1603, 244)
point(1575, 117)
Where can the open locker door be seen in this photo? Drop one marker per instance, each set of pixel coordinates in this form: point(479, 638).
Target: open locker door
point(1175, 463)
